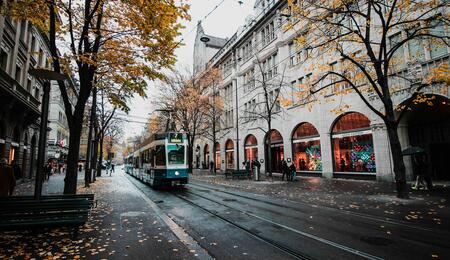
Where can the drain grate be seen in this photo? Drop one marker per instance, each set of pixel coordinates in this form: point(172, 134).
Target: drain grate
point(159, 201)
point(377, 241)
point(229, 200)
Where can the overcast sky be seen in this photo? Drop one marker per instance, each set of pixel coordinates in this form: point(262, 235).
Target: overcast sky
point(222, 22)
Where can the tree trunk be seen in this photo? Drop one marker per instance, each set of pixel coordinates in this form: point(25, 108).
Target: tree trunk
point(100, 158)
point(94, 159)
point(70, 181)
point(399, 165)
point(269, 151)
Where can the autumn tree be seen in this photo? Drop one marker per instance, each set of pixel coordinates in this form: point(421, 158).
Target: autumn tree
point(368, 38)
point(126, 41)
point(266, 85)
point(185, 97)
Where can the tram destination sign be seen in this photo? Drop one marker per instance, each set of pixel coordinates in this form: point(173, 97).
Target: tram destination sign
point(175, 138)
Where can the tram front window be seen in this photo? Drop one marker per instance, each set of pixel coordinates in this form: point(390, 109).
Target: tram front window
point(175, 154)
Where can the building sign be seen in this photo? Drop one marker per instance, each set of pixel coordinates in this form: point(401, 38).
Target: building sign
point(175, 138)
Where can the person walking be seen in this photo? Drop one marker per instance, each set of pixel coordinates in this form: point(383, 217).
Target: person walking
point(421, 170)
point(211, 166)
point(257, 164)
point(292, 172)
point(112, 167)
point(284, 170)
point(47, 170)
point(7, 179)
point(16, 170)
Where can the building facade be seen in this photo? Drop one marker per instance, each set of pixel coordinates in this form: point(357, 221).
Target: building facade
point(22, 47)
point(321, 140)
point(58, 137)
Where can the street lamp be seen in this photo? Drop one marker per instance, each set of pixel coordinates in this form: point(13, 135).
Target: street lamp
point(46, 75)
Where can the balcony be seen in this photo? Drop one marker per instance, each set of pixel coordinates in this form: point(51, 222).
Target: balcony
point(14, 89)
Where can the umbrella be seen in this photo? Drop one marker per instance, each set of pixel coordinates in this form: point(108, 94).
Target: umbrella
point(412, 150)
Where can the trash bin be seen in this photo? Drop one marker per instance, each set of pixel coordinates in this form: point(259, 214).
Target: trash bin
point(256, 173)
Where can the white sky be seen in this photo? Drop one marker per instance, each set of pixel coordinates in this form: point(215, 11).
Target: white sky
point(222, 22)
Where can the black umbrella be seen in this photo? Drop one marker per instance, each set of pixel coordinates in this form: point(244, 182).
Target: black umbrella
point(412, 150)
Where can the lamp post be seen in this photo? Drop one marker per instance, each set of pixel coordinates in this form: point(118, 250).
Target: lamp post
point(46, 75)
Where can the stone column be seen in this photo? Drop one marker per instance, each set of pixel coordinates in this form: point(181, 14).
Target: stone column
point(327, 155)
point(382, 150)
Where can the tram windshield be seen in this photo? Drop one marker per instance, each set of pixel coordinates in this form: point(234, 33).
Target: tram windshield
point(175, 154)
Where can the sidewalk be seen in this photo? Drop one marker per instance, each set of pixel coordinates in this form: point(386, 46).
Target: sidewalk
point(121, 226)
point(429, 208)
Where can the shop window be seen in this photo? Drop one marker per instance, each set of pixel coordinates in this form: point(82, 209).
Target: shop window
point(217, 155)
point(229, 154)
point(251, 148)
point(353, 144)
point(206, 159)
point(307, 155)
point(276, 151)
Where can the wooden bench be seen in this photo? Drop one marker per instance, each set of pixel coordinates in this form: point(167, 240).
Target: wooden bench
point(238, 174)
point(55, 210)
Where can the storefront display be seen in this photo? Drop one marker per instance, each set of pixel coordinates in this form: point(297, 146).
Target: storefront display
point(218, 162)
point(251, 148)
point(229, 154)
point(276, 151)
point(353, 144)
point(306, 148)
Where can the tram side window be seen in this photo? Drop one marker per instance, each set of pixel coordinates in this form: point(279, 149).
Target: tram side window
point(160, 155)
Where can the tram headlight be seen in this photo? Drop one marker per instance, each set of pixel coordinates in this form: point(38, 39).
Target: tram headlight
point(177, 173)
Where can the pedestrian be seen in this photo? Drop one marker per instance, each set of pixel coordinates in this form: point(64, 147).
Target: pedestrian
point(211, 166)
point(284, 170)
point(7, 179)
point(421, 169)
point(16, 170)
point(112, 167)
point(243, 166)
point(47, 170)
point(80, 167)
point(293, 172)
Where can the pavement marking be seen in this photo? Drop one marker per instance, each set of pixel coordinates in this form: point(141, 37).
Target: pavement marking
point(311, 236)
point(184, 237)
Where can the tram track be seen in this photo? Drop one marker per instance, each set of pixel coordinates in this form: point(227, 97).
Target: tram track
point(381, 220)
point(275, 244)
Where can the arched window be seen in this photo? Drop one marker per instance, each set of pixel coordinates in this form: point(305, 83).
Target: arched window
point(307, 155)
point(276, 150)
point(206, 158)
point(229, 154)
point(218, 162)
point(251, 148)
point(353, 144)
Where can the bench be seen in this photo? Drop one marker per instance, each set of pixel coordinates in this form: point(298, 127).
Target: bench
point(24, 212)
point(246, 174)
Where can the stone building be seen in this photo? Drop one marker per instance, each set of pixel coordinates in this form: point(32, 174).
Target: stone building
point(350, 144)
point(58, 137)
point(22, 47)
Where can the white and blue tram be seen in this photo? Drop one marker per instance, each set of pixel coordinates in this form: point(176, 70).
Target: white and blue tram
point(160, 160)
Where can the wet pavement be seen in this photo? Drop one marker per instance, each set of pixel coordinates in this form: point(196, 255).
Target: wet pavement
point(425, 208)
point(218, 218)
point(121, 226)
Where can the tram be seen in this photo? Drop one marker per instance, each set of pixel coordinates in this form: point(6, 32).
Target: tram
point(160, 160)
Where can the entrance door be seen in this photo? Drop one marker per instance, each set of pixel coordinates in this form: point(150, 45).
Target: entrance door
point(439, 158)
